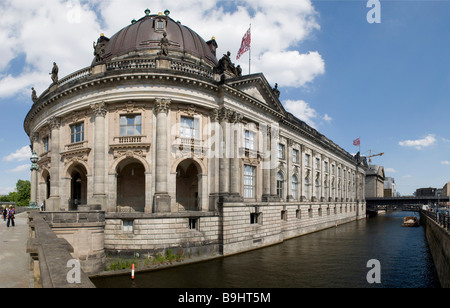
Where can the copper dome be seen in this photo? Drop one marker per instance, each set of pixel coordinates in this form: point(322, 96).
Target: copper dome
point(146, 34)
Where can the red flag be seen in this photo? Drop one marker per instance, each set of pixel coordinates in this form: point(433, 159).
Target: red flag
point(245, 45)
point(357, 142)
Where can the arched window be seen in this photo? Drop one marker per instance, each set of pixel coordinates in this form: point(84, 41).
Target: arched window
point(280, 185)
point(294, 187)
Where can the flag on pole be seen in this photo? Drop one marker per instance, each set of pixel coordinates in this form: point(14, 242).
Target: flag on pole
point(357, 142)
point(245, 45)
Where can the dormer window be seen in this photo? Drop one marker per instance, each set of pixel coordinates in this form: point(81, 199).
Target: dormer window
point(160, 24)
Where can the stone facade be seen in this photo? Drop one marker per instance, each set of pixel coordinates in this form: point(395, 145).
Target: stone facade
point(180, 155)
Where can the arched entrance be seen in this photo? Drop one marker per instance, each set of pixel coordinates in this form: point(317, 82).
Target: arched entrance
point(131, 186)
point(78, 187)
point(187, 186)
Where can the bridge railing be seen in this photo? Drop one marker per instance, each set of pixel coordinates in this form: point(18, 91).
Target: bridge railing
point(442, 219)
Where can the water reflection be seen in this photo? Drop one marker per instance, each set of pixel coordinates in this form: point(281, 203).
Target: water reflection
point(335, 257)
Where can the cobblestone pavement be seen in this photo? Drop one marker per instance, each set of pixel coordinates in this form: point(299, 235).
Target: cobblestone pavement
point(14, 260)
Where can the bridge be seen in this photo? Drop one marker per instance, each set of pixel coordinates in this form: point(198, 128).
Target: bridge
point(402, 203)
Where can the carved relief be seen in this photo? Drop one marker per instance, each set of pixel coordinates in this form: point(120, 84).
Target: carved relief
point(162, 105)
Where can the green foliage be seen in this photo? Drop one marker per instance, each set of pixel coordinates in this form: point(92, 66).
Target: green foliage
point(21, 196)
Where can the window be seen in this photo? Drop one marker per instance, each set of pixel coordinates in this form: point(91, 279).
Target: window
point(298, 214)
point(249, 181)
point(128, 225)
point(280, 185)
point(189, 128)
point(281, 151)
point(307, 188)
point(193, 223)
point(295, 156)
point(307, 156)
point(284, 215)
point(249, 140)
point(325, 166)
point(131, 125)
point(77, 133)
point(316, 188)
point(317, 163)
point(46, 145)
point(294, 187)
point(255, 218)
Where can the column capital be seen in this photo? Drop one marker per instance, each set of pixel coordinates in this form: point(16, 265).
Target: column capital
point(54, 123)
point(162, 105)
point(99, 109)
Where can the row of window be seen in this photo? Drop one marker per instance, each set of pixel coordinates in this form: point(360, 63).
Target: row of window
point(256, 218)
point(131, 125)
point(250, 185)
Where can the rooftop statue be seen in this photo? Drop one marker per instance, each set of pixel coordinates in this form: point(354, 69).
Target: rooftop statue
point(34, 95)
point(164, 45)
point(54, 73)
point(276, 91)
point(225, 64)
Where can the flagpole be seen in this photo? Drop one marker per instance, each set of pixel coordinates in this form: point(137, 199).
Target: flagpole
point(250, 54)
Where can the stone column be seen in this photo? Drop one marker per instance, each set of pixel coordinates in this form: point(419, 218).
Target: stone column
point(274, 140)
point(224, 160)
point(54, 202)
point(162, 198)
point(34, 180)
point(235, 134)
point(213, 145)
point(289, 143)
point(265, 140)
point(99, 193)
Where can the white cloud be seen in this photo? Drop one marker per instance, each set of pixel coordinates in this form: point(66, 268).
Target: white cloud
point(445, 162)
point(304, 112)
point(20, 155)
point(420, 143)
point(6, 190)
point(44, 32)
point(20, 168)
point(390, 170)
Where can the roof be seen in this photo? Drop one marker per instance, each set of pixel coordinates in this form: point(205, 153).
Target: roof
point(146, 34)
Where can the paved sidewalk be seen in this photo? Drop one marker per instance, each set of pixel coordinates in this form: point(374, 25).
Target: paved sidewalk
point(14, 260)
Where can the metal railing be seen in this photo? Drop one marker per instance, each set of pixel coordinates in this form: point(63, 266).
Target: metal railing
point(441, 218)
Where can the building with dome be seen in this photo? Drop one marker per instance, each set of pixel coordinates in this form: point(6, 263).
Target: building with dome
point(182, 151)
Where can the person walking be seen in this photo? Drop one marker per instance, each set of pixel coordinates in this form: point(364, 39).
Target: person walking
point(11, 217)
point(4, 212)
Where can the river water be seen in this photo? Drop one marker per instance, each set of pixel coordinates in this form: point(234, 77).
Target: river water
point(332, 258)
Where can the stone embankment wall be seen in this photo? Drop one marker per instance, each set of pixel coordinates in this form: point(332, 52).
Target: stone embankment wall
point(438, 239)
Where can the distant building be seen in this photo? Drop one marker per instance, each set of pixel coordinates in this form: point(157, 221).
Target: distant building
point(390, 189)
point(446, 190)
point(426, 192)
point(375, 181)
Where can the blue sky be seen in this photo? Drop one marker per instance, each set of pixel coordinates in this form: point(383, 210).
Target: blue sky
point(386, 82)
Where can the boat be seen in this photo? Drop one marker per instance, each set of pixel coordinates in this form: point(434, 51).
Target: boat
point(410, 221)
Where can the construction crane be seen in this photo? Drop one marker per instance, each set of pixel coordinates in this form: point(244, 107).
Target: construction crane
point(370, 156)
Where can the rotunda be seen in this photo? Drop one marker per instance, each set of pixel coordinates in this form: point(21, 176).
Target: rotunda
point(181, 150)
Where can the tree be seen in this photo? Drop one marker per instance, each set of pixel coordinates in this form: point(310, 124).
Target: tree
point(21, 196)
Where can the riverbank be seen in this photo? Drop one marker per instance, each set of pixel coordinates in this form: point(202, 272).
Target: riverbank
point(119, 266)
point(332, 258)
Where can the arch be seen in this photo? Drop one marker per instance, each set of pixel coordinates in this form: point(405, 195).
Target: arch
point(189, 185)
point(131, 185)
point(45, 178)
point(294, 186)
point(198, 163)
point(127, 158)
point(77, 173)
point(280, 184)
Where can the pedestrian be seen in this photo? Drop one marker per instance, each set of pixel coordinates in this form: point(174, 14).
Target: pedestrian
point(4, 212)
point(11, 217)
